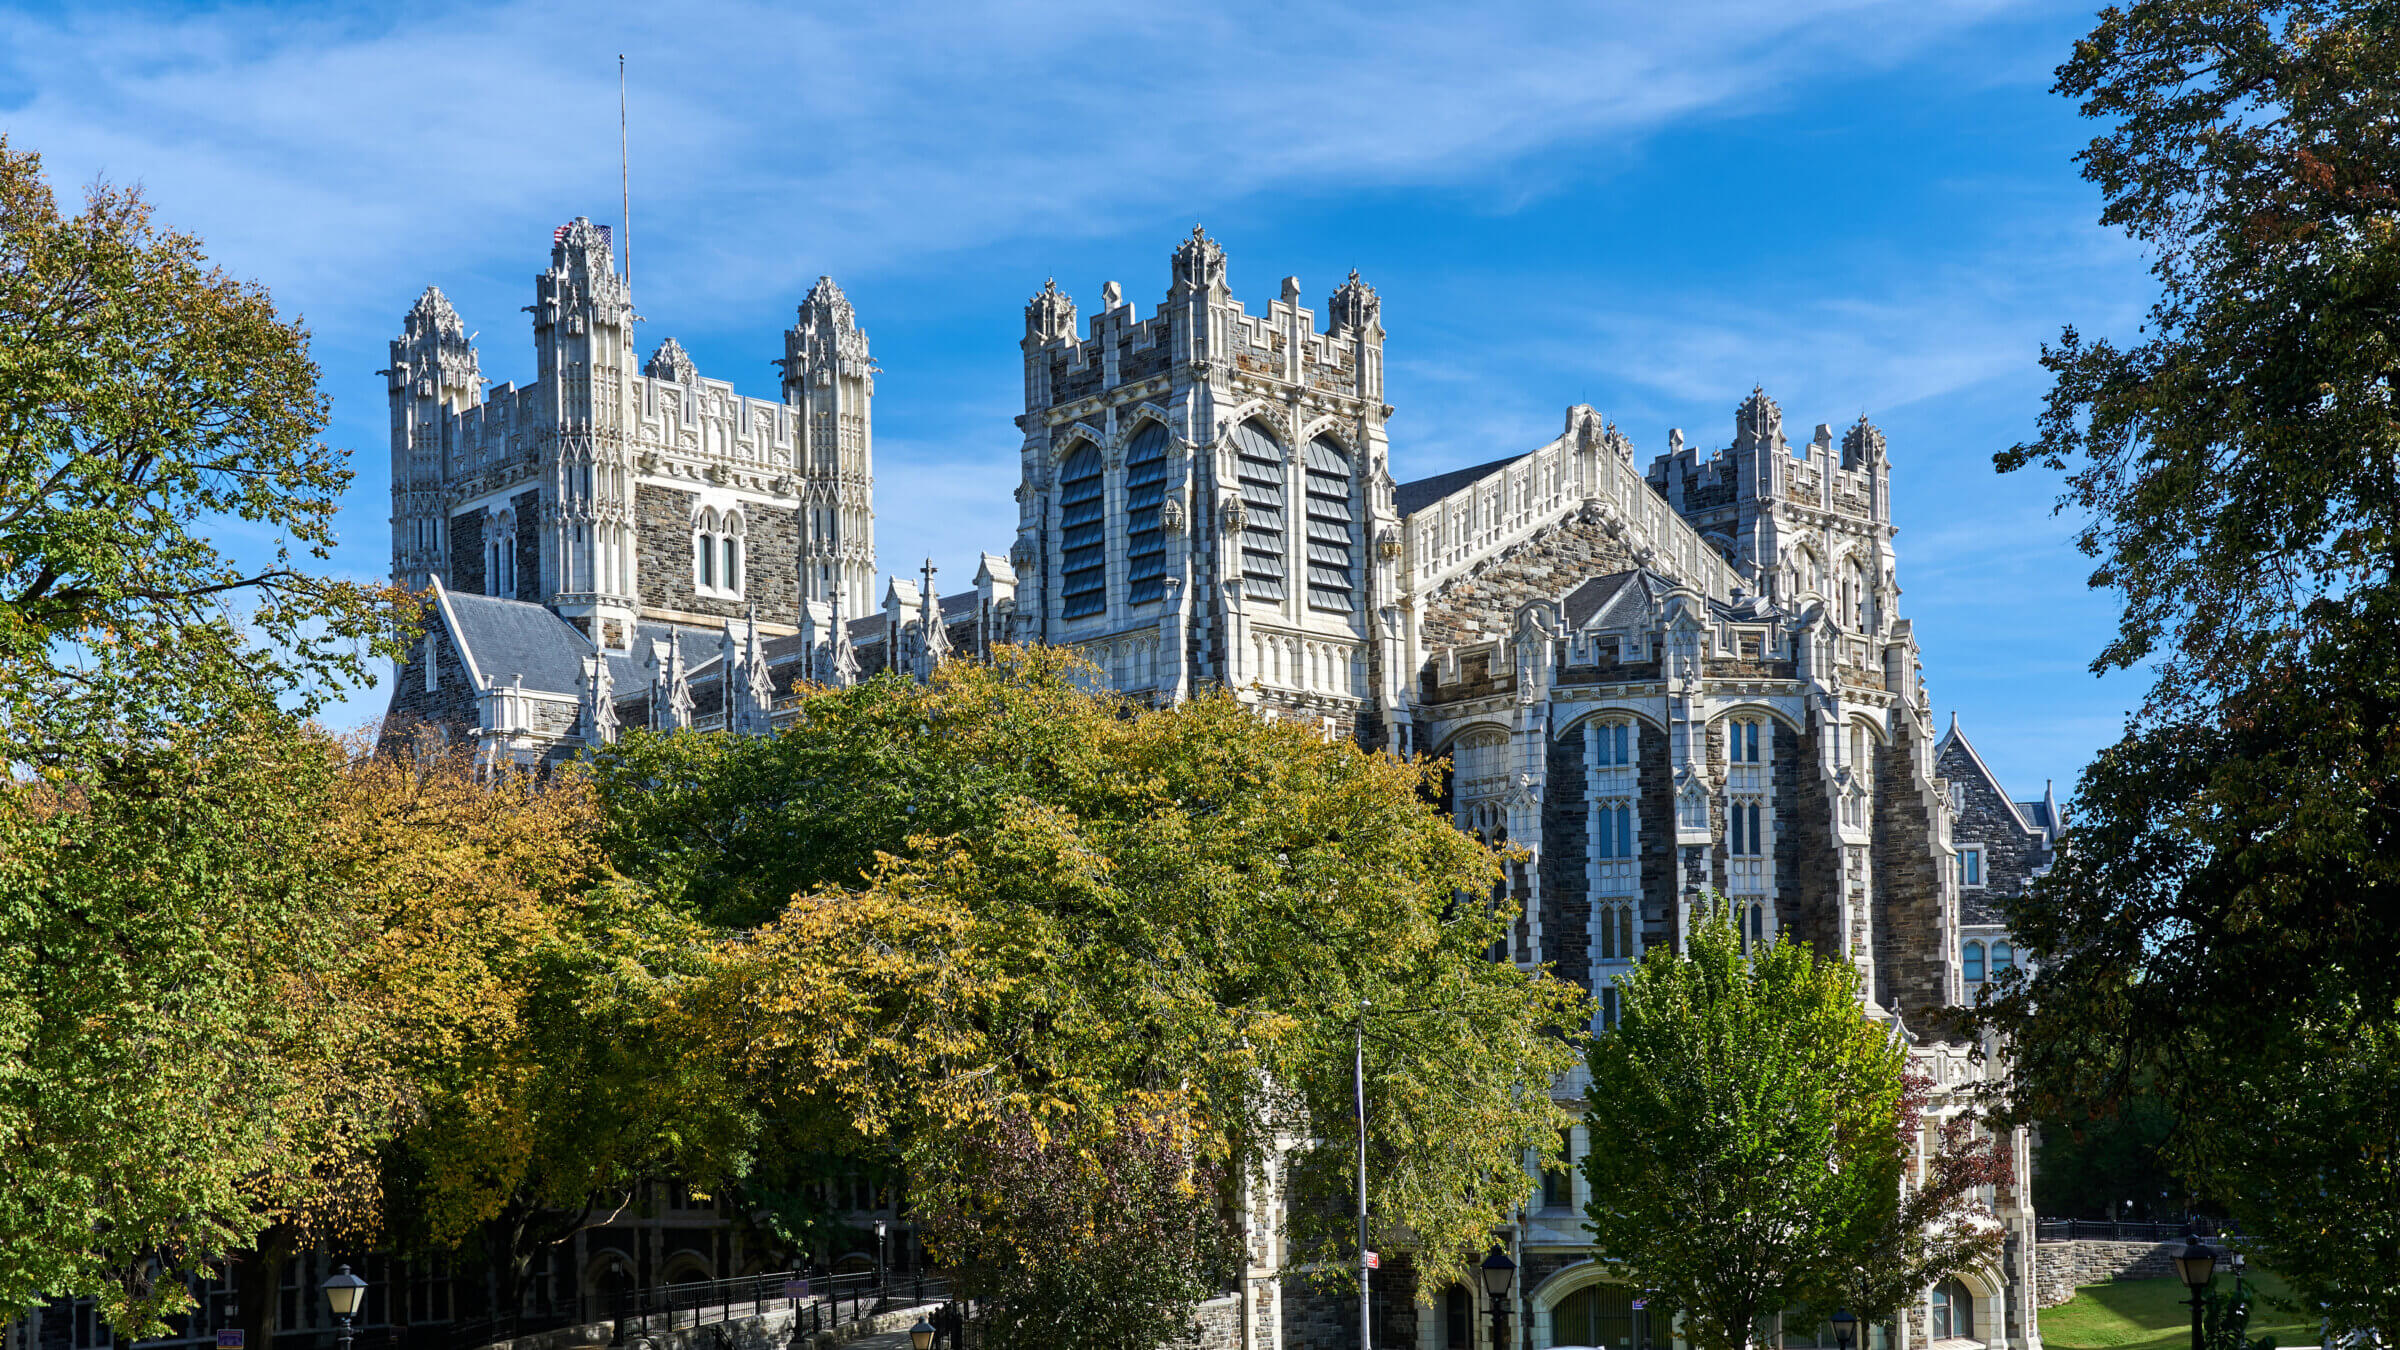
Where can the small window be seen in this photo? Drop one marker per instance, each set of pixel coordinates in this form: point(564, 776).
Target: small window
point(1970, 865)
point(1973, 963)
point(1558, 1182)
point(2004, 958)
point(1742, 740)
point(1614, 744)
point(1609, 1010)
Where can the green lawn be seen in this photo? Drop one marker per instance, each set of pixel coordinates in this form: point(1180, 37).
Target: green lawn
point(2152, 1315)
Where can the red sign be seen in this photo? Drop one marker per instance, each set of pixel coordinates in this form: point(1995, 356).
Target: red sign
point(1374, 1261)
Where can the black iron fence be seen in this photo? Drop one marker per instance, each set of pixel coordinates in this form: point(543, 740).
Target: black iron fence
point(2112, 1230)
point(817, 1302)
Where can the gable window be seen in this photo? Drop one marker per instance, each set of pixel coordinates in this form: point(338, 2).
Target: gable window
point(1972, 964)
point(1145, 494)
point(1970, 865)
point(1258, 471)
point(1332, 570)
point(1083, 535)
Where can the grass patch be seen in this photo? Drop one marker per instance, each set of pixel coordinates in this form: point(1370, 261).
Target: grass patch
point(2152, 1315)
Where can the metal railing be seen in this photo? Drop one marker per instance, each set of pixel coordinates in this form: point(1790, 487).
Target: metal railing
point(2114, 1230)
point(818, 1302)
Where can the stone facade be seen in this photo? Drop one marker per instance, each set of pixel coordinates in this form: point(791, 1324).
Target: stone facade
point(2003, 847)
point(1673, 687)
point(2061, 1267)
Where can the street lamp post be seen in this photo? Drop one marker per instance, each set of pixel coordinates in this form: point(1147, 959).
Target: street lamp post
point(1498, 1274)
point(2197, 1264)
point(1845, 1329)
point(344, 1293)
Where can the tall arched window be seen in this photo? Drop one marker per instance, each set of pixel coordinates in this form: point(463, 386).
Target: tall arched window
point(1953, 1311)
point(1083, 534)
point(704, 552)
point(1258, 469)
point(1145, 493)
point(1971, 965)
point(717, 543)
point(1332, 567)
point(500, 556)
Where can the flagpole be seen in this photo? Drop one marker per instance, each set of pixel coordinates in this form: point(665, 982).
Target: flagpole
point(624, 177)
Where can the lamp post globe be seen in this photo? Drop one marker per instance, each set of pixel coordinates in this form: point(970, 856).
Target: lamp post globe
point(345, 1293)
point(1845, 1329)
point(1498, 1273)
point(920, 1336)
point(2196, 1264)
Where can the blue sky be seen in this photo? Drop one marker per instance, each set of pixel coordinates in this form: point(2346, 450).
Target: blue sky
point(1864, 205)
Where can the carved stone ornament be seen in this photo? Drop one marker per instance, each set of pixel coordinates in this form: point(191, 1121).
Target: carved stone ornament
point(1170, 514)
point(1387, 545)
point(1231, 513)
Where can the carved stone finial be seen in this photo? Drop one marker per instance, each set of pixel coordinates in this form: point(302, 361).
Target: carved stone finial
point(1199, 263)
point(1758, 420)
point(1618, 444)
point(1111, 296)
point(1863, 443)
point(1354, 304)
point(1050, 314)
point(672, 363)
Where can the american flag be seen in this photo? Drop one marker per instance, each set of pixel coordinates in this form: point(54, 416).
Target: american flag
point(608, 238)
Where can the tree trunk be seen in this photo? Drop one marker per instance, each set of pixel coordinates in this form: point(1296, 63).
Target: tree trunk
point(258, 1286)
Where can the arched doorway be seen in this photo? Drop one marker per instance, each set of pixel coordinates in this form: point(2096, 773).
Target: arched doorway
point(1608, 1317)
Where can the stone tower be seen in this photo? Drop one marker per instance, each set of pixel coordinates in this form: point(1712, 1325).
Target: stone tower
point(583, 338)
point(829, 377)
point(1204, 492)
point(432, 376)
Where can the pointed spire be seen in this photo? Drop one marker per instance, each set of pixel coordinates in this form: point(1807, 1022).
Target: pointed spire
point(1050, 314)
point(599, 702)
point(759, 681)
point(937, 633)
point(672, 364)
point(844, 656)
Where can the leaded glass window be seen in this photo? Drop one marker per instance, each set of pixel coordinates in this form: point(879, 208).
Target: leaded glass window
point(1083, 535)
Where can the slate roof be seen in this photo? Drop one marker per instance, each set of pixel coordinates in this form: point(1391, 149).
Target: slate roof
point(508, 638)
point(1617, 600)
point(1415, 496)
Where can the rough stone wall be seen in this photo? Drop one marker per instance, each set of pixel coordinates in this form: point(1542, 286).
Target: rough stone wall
point(2059, 1267)
point(2008, 850)
point(662, 528)
point(1566, 848)
point(1911, 956)
point(1654, 786)
point(466, 552)
point(1220, 1322)
point(1480, 606)
point(449, 705)
point(1808, 861)
point(527, 506)
point(1327, 1319)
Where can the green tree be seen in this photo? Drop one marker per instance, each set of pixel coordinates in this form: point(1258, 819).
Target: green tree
point(1036, 903)
point(146, 400)
point(2223, 912)
point(1141, 1212)
point(1751, 1134)
point(174, 1075)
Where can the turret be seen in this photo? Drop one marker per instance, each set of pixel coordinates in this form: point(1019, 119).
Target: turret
point(433, 375)
point(583, 337)
point(829, 377)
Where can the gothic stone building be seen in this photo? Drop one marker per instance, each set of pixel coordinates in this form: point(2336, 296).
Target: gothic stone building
point(1664, 682)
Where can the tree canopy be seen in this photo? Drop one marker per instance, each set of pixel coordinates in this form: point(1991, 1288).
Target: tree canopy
point(2222, 918)
point(146, 399)
point(1753, 1140)
point(1035, 904)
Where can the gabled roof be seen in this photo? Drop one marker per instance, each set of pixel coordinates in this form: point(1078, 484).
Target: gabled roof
point(1954, 734)
point(1617, 600)
point(1415, 496)
point(502, 640)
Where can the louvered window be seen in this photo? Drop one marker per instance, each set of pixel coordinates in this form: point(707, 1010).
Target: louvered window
point(1258, 468)
point(1145, 493)
point(1332, 570)
point(1083, 535)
